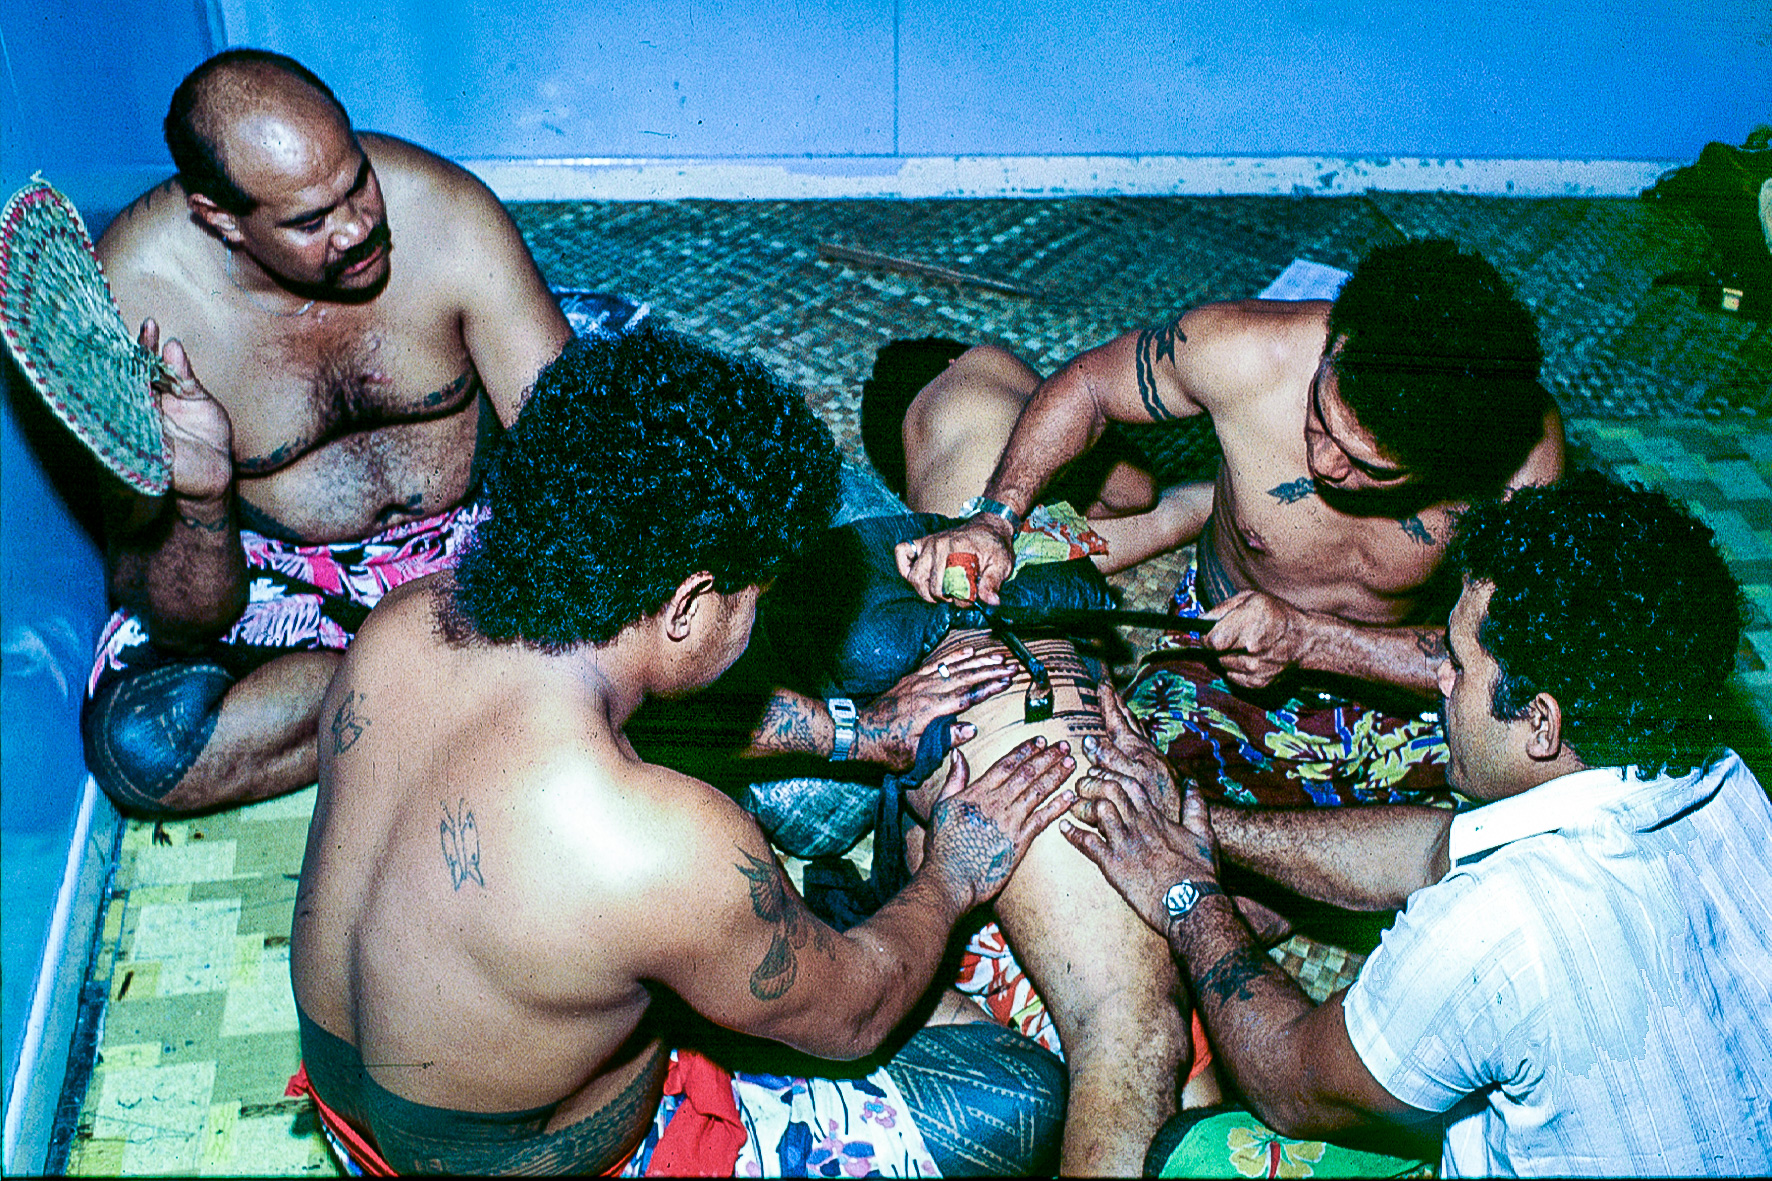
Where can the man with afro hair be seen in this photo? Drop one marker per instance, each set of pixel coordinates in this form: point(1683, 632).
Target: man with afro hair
point(520, 948)
point(1578, 982)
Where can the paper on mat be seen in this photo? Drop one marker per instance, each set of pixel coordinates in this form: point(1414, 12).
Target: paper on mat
point(1303, 279)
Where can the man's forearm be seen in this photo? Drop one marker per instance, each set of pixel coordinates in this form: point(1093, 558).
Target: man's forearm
point(1247, 1003)
point(1404, 657)
point(1369, 858)
point(1059, 423)
point(898, 950)
point(184, 571)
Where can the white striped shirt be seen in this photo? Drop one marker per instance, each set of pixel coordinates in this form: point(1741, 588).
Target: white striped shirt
point(1589, 990)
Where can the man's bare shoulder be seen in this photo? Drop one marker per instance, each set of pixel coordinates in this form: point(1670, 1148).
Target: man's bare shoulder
point(145, 247)
point(430, 185)
point(1244, 351)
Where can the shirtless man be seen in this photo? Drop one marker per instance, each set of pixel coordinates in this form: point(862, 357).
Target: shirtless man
point(502, 1002)
point(1317, 549)
point(1352, 432)
point(364, 315)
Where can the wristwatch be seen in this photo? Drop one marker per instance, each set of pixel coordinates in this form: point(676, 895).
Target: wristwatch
point(1183, 896)
point(996, 508)
point(843, 718)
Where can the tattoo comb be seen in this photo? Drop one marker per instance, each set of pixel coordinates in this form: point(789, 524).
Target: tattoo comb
point(1038, 707)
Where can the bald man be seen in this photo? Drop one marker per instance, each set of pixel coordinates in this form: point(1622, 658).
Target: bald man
point(364, 317)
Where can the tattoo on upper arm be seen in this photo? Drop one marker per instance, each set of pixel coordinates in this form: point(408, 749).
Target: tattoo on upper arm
point(773, 901)
point(977, 849)
point(786, 725)
point(1154, 345)
point(461, 844)
point(1230, 978)
point(1417, 531)
point(1432, 644)
point(347, 723)
point(1293, 491)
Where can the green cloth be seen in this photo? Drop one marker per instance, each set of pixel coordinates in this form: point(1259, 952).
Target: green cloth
point(1220, 1142)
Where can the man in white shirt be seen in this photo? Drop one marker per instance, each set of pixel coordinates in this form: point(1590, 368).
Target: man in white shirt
point(1579, 980)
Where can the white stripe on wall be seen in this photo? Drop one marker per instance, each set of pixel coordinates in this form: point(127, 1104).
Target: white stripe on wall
point(797, 178)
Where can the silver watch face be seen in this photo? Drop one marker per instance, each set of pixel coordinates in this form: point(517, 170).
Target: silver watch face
point(1180, 899)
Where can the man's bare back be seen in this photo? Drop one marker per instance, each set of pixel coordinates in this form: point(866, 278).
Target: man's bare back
point(497, 891)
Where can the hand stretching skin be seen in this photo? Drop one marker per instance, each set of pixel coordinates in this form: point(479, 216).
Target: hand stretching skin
point(979, 828)
point(1130, 798)
point(986, 536)
point(888, 728)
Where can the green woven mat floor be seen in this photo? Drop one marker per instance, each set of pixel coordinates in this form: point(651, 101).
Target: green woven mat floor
point(195, 1027)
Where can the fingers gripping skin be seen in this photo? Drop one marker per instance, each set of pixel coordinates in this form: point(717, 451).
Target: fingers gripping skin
point(1129, 797)
point(1258, 638)
point(922, 561)
point(889, 727)
point(980, 827)
point(198, 432)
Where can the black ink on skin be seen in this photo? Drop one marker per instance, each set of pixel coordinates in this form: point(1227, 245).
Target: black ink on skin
point(1417, 531)
point(1231, 976)
point(347, 724)
point(1294, 491)
point(461, 845)
point(1154, 344)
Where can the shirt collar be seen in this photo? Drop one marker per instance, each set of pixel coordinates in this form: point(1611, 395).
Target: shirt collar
point(1577, 800)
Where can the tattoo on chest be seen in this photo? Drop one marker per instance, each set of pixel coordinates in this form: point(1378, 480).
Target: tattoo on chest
point(1293, 491)
point(1230, 978)
point(1417, 531)
point(774, 902)
point(347, 723)
point(1155, 345)
point(220, 526)
point(978, 851)
point(461, 844)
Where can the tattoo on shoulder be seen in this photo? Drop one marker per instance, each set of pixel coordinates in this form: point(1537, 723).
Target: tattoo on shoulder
point(1293, 491)
point(774, 902)
point(461, 844)
point(1155, 345)
point(978, 850)
point(1230, 978)
point(1416, 530)
point(347, 723)
point(1432, 644)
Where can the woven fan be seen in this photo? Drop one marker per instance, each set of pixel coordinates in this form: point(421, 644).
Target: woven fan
point(65, 332)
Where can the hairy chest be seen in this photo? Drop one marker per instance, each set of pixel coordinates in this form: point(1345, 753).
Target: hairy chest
point(297, 390)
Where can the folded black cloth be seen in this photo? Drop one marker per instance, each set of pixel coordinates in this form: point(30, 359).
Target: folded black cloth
point(842, 621)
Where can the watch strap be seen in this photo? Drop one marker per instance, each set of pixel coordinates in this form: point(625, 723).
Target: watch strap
point(996, 508)
point(1184, 895)
point(843, 715)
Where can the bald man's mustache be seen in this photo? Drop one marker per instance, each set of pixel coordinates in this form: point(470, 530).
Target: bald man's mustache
point(377, 238)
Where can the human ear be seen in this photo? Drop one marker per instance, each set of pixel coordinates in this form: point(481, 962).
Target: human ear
point(1544, 718)
point(214, 218)
point(679, 611)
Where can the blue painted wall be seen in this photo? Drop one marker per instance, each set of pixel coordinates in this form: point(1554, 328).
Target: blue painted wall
point(84, 86)
point(1558, 79)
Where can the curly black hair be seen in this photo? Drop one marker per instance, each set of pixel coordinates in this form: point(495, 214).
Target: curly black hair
point(637, 461)
point(1615, 601)
point(191, 139)
point(1439, 360)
